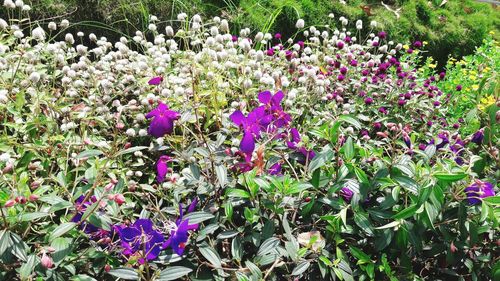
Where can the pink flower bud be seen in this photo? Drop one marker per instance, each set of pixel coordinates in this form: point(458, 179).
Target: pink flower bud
point(33, 197)
point(47, 261)
point(111, 197)
point(9, 203)
point(119, 199)
point(21, 199)
point(120, 126)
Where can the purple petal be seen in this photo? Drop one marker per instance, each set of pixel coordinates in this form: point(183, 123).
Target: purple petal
point(277, 98)
point(161, 170)
point(247, 144)
point(155, 80)
point(265, 97)
point(192, 206)
point(238, 118)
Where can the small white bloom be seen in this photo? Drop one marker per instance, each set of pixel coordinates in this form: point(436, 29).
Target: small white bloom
point(34, 77)
point(52, 25)
point(69, 38)
point(64, 24)
point(130, 132)
point(300, 24)
point(38, 34)
point(18, 34)
point(169, 31)
point(5, 157)
point(9, 4)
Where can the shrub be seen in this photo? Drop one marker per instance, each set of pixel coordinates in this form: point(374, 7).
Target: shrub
point(329, 158)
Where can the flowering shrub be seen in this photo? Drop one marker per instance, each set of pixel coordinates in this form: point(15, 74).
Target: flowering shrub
point(329, 158)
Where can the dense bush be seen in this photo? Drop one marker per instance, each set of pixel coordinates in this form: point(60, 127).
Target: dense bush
point(451, 27)
point(208, 155)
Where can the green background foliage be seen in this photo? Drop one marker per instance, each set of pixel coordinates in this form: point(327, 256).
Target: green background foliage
point(454, 28)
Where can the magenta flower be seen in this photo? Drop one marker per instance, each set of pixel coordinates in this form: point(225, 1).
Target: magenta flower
point(162, 168)
point(346, 193)
point(478, 137)
point(179, 235)
point(140, 239)
point(155, 80)
point(275, 169)
point(163, 120)
point(251, 125)
point(479, 190)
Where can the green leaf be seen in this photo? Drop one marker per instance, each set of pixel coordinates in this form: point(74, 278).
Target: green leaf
point(254, 269)
point(28, 267)
point(449, 177)
point(321, 158)
point(198, 217)
point(350, 120)
point(62, 248)
point(62, 229)
point(301, 268)
point(5, 241)
point(236, 248)
point(268, 246)
point(406, 213)
point(19, 248)
point(407, 183)
point(211, 255)
point(131, 150)
point(221, 172)
point(389, 225)
point(238, 193)
point(362, 221)
point(124, 273)
point(89, 153)
point(174, 273)
point(360, 255)
point(82, 277)
point(494, 200)
point(349, 149)
point(33, 216)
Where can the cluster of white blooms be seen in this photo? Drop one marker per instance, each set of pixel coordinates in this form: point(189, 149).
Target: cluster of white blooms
point(103, 86)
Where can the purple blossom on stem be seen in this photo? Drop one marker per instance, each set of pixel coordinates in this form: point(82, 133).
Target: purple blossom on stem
point(179, 235)
point(479, 190)
point(140, 239)
point(478, 137)
point(346, 193)
point(163, 120)
point(162, 168)
point(155, 80)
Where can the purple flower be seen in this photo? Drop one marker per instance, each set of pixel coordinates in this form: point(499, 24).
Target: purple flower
point(368, 101)
point(80, 207)
point(179, 235)
point(155, 80)
point(444, 140)
point(294, 138)
point(340, 44)
point(277, 35)
point(479, 190)
point(308, 155)
point(382, 34)
point(163, 120)
point(478, 137)
point(251, 125)
point(346, 193)
point(140, 239)
point(417, 44)
point(162, 168)
point(275, 169)
point(407, 139)
point(459, 88)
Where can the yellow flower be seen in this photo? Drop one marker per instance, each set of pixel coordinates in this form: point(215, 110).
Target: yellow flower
point(406, 47)
point(432, 65)
point(472, 77)
point(425, 43)
point(475, 87)
point(485, 102)
point(492, 32)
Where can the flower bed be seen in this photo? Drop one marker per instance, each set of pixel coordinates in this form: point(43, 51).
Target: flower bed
point(330, 158)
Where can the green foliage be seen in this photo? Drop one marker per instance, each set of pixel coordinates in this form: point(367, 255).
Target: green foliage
point(454, 28)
